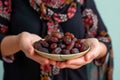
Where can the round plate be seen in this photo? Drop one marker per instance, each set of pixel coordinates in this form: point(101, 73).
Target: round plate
point(62, 57)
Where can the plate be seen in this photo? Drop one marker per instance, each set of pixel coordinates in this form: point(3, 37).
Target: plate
point(62, 57)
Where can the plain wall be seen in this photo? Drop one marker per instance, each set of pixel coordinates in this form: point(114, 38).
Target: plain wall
point(110, 12)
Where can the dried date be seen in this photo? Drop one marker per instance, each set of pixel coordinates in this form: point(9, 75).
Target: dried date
point(57, 50)
point(58, 43)
point(44, 43)
point(65, 51)
point(58, 35)
point(53, 45)
point(67, 40)
point(74, 50)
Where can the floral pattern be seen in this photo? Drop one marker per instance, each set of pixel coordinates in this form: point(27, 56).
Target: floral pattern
point(5, 8)
point(104, 65)
point(3, 29)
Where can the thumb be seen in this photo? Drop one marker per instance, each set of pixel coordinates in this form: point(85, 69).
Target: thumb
point(30, 50)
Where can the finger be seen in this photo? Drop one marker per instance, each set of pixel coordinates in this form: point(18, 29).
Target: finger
point(35, 56)
point(61, 64)
point(40, 59)
point(92, 54)
point(52, 62)
point(94, 51)
point(30, 50)
point(73, 66)
point(89, 57)
point(79, 61)
point(64, 65)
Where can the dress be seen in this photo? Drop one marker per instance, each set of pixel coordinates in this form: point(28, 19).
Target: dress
point(17, 16)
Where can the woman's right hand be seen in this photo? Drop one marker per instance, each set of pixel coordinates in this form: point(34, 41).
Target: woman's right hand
point(26, 41)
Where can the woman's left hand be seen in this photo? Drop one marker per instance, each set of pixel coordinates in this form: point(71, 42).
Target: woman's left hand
point(97, 50)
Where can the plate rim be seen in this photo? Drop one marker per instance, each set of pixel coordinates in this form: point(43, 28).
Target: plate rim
point(60, 56)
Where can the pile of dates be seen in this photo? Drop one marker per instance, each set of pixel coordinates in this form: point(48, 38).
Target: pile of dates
point(59, 43)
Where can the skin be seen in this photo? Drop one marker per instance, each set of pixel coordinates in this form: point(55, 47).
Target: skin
point(23, 41)
point(10, 45)
point(97, 51)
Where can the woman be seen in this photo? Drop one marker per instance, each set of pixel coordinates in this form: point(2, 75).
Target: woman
point(22, 22)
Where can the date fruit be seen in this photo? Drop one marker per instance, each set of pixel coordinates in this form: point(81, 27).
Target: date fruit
point(59, 43)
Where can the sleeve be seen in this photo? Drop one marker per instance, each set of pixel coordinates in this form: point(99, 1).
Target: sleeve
point(96, 28)
point(5, 11)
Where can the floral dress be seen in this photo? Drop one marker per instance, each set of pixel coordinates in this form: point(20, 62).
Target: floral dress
point(54, 14)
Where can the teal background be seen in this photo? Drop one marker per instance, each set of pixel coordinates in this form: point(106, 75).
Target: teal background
point(110, 12)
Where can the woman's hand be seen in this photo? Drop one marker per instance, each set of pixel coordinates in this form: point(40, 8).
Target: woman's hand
point(26, 41)
point(97, 51)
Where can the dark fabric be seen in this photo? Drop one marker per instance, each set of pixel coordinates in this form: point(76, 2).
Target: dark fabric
point(24, 18)
point(101, 25)
point(4, 21)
